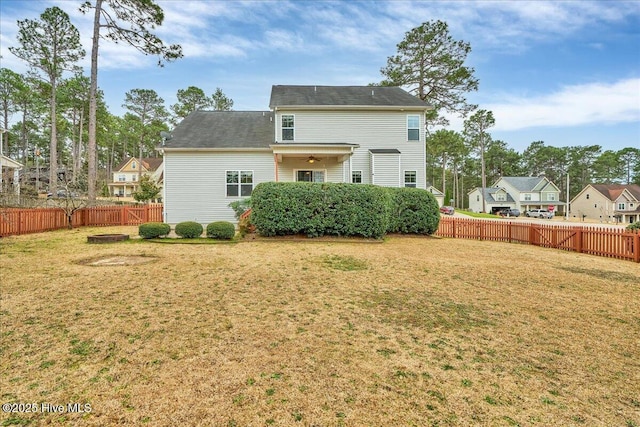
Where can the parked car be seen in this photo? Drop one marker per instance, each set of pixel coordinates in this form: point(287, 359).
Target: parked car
point(448, 210)
point(539, 213)
point(509, 212)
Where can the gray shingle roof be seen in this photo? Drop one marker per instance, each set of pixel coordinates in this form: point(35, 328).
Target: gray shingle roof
point(224, 129)
point(489, 192)
point(343, 96)
point(523, 183)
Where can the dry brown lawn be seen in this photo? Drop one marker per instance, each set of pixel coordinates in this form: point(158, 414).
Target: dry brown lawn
point(410, 332)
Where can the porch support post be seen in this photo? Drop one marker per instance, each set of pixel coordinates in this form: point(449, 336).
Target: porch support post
point(275, 165)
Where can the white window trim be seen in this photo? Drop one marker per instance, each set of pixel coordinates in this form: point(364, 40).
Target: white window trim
point(404, 177)
point(282, 128)
point(253, 182)
point(361, 177)
point(410, 128)
point(295, 173)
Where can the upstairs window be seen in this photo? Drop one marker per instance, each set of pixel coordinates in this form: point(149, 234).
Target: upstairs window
point(501, 197)
point(122, 178)
point(413, 128)
point(410, 178)
point(239, 183)
point(551, 196)
point(287, 127)
point(620, 206)
point(356, 177)
point(527, 197)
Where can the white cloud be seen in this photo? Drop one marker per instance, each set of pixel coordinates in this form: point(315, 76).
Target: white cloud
point(586, 104)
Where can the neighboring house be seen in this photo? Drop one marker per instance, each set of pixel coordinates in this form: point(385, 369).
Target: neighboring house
point(608, 202)
point(9, 174)
point(127, 175)
point(522, 193)
point(439, 195)
point(351, 134)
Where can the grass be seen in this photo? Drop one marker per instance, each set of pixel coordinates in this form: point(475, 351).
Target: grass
point(478, 214)
point(413, 331)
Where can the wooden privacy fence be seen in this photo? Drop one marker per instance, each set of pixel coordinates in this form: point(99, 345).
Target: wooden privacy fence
point(23, 221)
point(613, 243)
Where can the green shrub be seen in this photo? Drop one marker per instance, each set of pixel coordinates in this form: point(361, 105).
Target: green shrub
point(221, 230)
point(634, 226)
point(189, 229)
point(240, 206)
point(413, 211)
point(316, 209)
point(152, 230)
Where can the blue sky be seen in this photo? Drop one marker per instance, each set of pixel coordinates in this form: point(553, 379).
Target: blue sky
point(564, 72)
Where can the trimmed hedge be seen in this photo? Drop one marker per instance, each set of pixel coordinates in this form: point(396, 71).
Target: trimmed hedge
point(188, 229)
point(221, 230)
point(152, 230)
point(317, 209)
point(413, 211)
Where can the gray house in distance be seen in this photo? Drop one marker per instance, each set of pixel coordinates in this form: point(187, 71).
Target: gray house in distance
point(349, 134)
point(519, 192)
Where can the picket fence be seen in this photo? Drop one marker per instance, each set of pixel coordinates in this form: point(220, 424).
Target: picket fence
point(15, 221)
point(613, 243)
point(606, 242)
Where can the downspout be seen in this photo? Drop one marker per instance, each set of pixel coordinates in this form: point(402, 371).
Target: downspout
point(275, 165)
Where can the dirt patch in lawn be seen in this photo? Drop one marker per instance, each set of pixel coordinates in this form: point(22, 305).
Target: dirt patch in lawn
point(116, 260)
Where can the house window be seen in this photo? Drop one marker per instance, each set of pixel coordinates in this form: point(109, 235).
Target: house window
point(356, 177)
point(287, 127)
point(410, 178)
point(122, 178)
point(310, 176)
point(587, 197)
point(501, 197)
point(133, 165)
point(478, 198)
point(551, 196)
point(413, 128)
point(527, 197)
point(239, 183)
point(620, 206)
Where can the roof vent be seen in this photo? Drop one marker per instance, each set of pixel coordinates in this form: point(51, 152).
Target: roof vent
point(372, 92)
point(315, 88)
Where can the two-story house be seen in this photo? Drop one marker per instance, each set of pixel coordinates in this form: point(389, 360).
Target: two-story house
point(608, 203)
point(350, 134)
point(516, 192)
point(127, 174)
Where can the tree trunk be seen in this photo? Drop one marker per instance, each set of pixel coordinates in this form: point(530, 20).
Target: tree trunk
point(53, 144)
point(93, 106)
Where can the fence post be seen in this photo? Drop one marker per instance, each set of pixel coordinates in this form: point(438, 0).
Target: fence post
point(20, 221)
point(636, 247)
point(578, 240)
point(455, 226)
point(145, 214)
point(123, 215)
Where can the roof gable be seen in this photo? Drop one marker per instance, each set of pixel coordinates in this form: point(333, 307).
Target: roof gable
point(343, 96)
point(149, 164)
point(613, 191)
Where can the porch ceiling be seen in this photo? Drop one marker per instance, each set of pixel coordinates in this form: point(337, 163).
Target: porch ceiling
point(340, 151)
point(313, 149)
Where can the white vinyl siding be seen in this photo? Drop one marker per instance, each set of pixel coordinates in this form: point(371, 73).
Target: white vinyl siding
point(195, 183)
point(385, 169)
point(368, 129)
